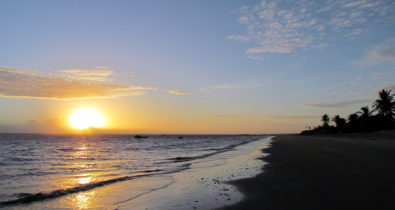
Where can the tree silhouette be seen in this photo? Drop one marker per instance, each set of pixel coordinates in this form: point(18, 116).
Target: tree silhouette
point(353, 118)
point(365, 112)
point(325, 120)
point(385, 106)
point(353, 122)
point(340, 122)
point(363, 120)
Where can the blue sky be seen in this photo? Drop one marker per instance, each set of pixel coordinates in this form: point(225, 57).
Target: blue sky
point(261, 66)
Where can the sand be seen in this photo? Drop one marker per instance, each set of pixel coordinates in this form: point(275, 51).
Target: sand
point(312, 172)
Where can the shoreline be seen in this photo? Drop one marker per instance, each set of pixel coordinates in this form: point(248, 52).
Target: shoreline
point(203, 184)
point(321, 172)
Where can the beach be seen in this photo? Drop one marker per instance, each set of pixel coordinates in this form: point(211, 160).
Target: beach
point(285, 172)
point(323, 172)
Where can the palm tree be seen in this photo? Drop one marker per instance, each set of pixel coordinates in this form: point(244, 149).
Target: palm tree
point(353, 118)
point(325, 120)
point(385, 106)
point(340, 122)
point(365, 112)
point(353, 121)
point(366, 121)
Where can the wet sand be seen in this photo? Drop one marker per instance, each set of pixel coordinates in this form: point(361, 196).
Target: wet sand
point(205, 184)
point(202, 184)
point(312, 172)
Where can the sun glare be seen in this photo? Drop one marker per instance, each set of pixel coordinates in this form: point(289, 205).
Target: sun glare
point(84, 118)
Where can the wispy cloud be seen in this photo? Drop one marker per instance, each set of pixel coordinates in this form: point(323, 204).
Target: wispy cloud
point(54, 125)
point(383, 76)
point(99, 73)
point(265, 116)
point(238, 37)
point(333, 105)
point(294, 117)
point(392, 87)
point(229, 116)
point(255, 57)
point(20, 83)
point(242, 85)
point(383, 52)
point(179, 92)
point(283, 26)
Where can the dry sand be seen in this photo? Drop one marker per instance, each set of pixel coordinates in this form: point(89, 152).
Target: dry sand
point(312, 172)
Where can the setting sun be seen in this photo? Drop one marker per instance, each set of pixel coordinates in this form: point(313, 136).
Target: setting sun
point(85, 118)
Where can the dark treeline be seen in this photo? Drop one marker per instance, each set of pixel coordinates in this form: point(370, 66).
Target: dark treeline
point(381, 117)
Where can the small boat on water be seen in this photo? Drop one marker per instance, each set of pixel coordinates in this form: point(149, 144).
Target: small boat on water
point(140, 137)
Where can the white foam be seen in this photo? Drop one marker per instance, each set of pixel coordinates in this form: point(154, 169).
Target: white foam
point(204, 186)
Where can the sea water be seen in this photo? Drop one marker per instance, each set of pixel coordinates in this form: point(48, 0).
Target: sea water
point(112, 171)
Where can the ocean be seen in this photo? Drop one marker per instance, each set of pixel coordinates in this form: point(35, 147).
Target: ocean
point(51, 171)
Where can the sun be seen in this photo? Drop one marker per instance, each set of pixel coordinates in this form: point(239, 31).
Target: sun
point(84, 118)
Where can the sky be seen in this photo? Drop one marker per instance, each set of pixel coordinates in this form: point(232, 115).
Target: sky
point(196, 67)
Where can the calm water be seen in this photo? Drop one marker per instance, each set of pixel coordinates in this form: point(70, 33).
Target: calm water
point(37, 167)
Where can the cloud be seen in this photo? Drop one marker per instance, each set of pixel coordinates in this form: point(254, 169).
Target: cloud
point(238, 38)
point(99, 73)
point(243, 19)
point(383, 52)
point(332, 105)
point(265, 116)
point(53, 125)
point(230, 116)
point(294, 117)
point(391, 87)
point(243, 85)
point(254, 57)
point(285, 25)
point(20, 83)
point(179, 92)
point(382, 76)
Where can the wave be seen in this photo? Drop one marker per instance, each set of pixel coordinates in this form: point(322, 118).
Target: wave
point(25, 198)
point(216, 151)
point(67, 149)
point(20, 159)
point(28, 198)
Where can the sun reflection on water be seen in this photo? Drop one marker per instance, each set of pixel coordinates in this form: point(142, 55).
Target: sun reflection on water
point(83, 200)
point(82, 151)
point(84, 179)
